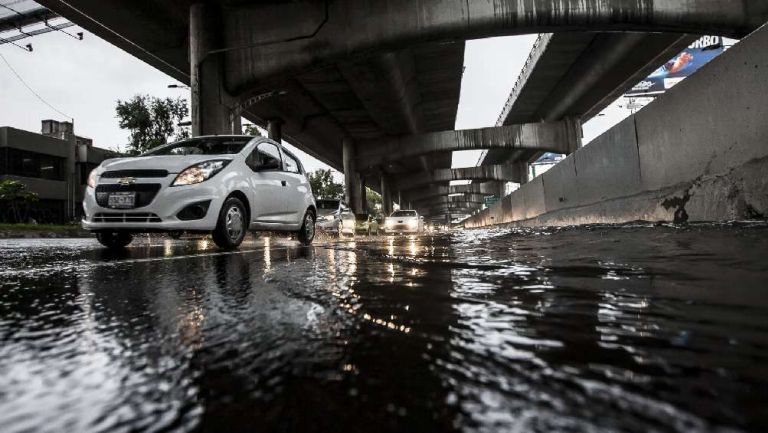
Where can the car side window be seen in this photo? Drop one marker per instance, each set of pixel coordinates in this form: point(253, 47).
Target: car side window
point(262, 155)
point(290, 164)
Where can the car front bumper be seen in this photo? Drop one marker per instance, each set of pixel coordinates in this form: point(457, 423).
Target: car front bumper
point(160, 214)
point(400, 228)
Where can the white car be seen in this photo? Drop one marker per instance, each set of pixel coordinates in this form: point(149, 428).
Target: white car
point(404, 221)
point(224, 185)
point(334, 216)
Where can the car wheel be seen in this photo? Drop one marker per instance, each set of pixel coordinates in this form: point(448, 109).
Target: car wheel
point(232, 224)
point(307, 231)
point(114, 240)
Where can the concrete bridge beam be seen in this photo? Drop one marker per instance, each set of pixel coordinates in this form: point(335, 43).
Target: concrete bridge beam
point(262, 41)
point(437, 191)
point(558, 137)
point(452, 208)
point(477, 199)
point(446, 175)
point(485, 188)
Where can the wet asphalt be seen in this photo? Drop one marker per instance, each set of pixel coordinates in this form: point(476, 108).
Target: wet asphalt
point(624, 328)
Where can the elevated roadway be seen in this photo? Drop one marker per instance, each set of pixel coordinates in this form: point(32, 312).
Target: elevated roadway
point(578, 75)
point(334, 77)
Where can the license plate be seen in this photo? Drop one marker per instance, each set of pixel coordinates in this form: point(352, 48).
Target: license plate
point(122, 200)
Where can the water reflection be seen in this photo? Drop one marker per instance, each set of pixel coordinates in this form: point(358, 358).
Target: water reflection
point(617, 329)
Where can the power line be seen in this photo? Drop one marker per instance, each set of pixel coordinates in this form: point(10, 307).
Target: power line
point(32, 90)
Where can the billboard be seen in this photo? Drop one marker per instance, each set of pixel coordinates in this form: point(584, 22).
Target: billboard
point(684, 64)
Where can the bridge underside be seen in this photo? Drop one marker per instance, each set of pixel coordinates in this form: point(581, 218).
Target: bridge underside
point(338, 78)
point(579, 75)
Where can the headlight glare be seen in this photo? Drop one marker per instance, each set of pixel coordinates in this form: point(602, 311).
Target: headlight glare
point(199, 172)
point(92, 178)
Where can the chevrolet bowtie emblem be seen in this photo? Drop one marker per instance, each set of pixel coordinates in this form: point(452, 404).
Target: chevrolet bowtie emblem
point(125, 181)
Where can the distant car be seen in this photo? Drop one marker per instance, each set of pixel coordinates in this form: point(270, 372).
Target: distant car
point(334, 216)
point(366, 224)
point(404, 221)
point(224, 185)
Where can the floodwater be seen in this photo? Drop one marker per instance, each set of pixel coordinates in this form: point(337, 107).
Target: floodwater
point(629, 328)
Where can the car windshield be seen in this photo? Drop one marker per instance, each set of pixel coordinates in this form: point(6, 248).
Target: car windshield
point(404, 213)
point(327, 204)
point(202, 146)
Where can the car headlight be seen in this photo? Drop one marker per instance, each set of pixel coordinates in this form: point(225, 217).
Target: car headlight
point(412, 223)
point(200, 172)
point(92, 178)
point(328, 218)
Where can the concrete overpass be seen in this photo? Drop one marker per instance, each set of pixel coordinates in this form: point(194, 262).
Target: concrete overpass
point(506, 173)
point(697, 153)
point(342, 78)
point(576, 76)
point(448, 199)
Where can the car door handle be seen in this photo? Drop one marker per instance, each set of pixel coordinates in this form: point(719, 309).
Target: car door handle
point(284, 183)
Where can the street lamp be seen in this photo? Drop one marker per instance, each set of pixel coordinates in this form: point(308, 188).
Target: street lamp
point(178, 86)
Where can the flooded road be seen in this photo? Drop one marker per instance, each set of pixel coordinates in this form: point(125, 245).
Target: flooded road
point(632, 328)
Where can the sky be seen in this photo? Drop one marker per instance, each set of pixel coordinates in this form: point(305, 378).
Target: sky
point(84, 80)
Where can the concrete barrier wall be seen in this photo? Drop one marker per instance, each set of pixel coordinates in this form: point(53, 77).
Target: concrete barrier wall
point(698, 153)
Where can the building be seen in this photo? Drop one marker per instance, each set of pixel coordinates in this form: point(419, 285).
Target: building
point(54, 164)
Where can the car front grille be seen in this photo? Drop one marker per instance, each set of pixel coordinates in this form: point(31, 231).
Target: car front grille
point(114, 174)
point(124, 217)
point(145, 192)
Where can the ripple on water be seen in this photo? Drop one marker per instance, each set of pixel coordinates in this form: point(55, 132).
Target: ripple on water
point(631, 328)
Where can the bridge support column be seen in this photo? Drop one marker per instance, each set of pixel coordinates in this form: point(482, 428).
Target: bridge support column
point(211, 112)
point(275, 129)
point(386, 195)
point(352, 184)
point(502, 186)
point(523, 172)
point(363, 195)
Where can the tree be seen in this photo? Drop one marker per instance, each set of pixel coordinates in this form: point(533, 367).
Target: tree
point(323, 185)
point(373, 198)
point(152, 121)
point(15, 196)
point(251, 129)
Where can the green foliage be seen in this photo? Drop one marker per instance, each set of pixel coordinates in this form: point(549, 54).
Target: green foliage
point(15, 196)
point(251, 129)
point(323, 185)
point(373, 198)
point(152, 121)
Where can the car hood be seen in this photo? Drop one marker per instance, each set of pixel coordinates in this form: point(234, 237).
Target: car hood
point(171, 163)
point(404, 218)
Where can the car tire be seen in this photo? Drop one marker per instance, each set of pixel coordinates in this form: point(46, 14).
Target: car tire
point(232, 224)
point(114, 240)
point(307, 232)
